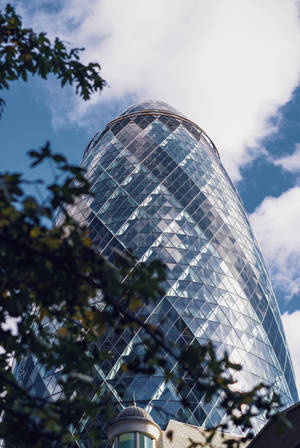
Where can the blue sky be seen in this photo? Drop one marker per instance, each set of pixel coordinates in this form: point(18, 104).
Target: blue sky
point(232, 67)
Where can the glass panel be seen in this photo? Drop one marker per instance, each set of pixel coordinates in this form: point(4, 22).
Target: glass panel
point(126, 440)
point(145, 441)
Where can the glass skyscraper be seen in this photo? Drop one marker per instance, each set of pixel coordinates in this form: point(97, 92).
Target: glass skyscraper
point(161, 191)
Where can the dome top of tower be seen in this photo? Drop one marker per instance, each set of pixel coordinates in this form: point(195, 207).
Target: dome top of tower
point(151, 105)
point(131, 420)
point(134, 412)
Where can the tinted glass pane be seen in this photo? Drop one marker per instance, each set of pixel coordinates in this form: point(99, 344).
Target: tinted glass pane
point(145, 441)
point(126, 440)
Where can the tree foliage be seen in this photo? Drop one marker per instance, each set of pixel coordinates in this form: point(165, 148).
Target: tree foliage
point(24, 52)
point(50, 281)
point(50, 276)
point(61, 296)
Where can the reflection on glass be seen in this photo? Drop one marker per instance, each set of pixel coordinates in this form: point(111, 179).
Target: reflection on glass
point(161, 191)
point(126, 440)
point(145, 441)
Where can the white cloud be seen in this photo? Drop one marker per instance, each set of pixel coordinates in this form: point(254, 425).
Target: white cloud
point(228, 65)
point(276, 225)
point(290, 162)
point(291, 323)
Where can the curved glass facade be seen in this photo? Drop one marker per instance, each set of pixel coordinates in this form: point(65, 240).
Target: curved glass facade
point(161, 191)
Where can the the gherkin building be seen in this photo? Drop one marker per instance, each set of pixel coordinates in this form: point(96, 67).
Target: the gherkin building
point(162, 192)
